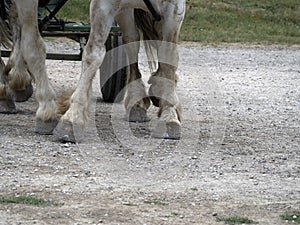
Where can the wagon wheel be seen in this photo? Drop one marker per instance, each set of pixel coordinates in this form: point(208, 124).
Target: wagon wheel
point(112, 84)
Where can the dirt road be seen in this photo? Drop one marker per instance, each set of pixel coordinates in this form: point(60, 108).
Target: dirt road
point(239, 153)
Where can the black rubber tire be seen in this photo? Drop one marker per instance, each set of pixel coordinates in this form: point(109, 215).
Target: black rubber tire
point(112, 86)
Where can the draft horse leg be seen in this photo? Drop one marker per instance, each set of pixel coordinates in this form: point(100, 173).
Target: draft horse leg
point(73, 122)
point(7, 104)
point(163, 82)
point(34, 53)
point(137, 101)
point(17, 74)
point(6, 99)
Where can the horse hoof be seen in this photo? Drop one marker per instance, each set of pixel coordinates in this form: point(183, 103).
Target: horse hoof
point(64, 132)
point(170, 130)
point(7, 106)
point(23, 95)
point(153, 98)
point(137, 114)
point(45, 127)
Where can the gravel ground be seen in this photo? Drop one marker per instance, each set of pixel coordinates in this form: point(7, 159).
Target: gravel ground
point(238, 156)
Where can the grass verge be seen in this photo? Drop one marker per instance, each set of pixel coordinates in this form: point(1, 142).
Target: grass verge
point(292, 217)
point(28, 200)
point(235, 220)
point(226, 21)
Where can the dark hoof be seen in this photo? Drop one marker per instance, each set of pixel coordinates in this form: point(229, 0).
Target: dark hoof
point(154, 99)
point(64, 132)
point(165, 130)
point(45, 127)
point(23, 95)
point(7, 106)
point(137, 114)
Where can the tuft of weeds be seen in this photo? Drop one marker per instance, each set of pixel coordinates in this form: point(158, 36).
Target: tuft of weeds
point(292, 217)
point(28, 200)
point(236, 220)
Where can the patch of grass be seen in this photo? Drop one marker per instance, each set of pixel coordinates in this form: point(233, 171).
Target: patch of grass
point(155, 202)
point(28, 200)
point(229, 21)
point(293, 217)
point(236, 220)
point(244, 21)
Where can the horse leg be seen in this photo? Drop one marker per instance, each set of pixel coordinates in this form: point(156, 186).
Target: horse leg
point(163, 82)
point(76, 117)
point(137, 101)
point(34, 54)
point(6, 101)
point(18, 77)
point(7, 104)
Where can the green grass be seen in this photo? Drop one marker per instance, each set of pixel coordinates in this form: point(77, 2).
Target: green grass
point(28, 200)
point(229, 21)
point(240, 21)
point(236, 220)
point(293, 217)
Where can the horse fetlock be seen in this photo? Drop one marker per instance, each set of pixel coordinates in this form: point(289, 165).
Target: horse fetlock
point(155, 99)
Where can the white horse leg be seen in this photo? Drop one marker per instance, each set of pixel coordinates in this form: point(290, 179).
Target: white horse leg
point(18, 77)
point(34, 54)
point(7, 104)
point(137, 101)
point(77, 115)
point(164, 81)
point(6, 101)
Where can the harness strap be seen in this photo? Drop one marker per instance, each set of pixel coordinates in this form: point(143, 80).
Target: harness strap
point(149, 5)
point(3, 13)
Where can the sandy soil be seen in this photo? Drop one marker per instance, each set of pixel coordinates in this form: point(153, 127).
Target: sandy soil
point(238, 156)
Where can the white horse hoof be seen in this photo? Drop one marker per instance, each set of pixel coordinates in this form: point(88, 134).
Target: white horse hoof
point(169, 130)
point(64, 132)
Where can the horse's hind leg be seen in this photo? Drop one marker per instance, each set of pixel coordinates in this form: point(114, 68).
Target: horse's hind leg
point(18, 77)
point(34, 54)
point(163, 83)
point(7, 104)
point(137, 101)
point(6, 100)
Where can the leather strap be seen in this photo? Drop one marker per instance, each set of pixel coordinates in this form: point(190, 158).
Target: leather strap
point(149, 5)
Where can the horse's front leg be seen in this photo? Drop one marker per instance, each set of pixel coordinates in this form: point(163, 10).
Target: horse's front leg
point(72, 124)
point(17, 75)
point(34, 54)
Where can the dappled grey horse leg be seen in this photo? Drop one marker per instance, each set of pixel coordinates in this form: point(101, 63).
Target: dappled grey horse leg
point(6, 100)
point(72, 124)
point(163, 83)
point(18, 76)
point(7, 104)
point(137, 101)
point(34, 54)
